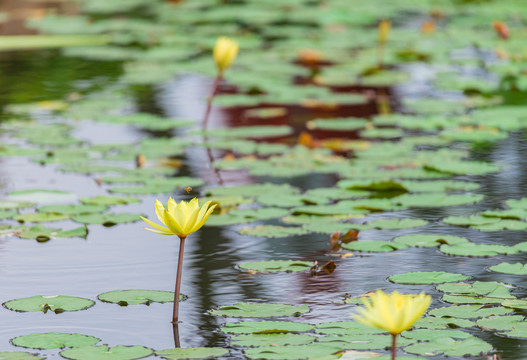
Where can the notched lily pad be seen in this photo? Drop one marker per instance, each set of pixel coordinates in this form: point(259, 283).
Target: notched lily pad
point(314, 351)
point(277, 265)
point(273, 231)
point(192, 353)
point(109, 200)
point(266, 327)
point(427, 277)
point(108, 219)
point(244, 309)
point(57, 304)
point(135, 297)
point(506, 268)
point(468, 311)
point(18, 355)
point(119, 352)
point(429, 240)
point(271, 339)
point(373, 246)
point(54, 340)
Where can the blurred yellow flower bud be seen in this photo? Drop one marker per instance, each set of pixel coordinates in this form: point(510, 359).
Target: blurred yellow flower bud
point(384, 30)
point(225, 52)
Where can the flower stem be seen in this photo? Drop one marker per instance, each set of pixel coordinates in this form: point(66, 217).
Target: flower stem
point(215, 85)
point(178, 279)
point(394, 346)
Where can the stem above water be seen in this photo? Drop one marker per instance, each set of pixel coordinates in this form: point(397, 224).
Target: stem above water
point(394, 346)
point(178, 279)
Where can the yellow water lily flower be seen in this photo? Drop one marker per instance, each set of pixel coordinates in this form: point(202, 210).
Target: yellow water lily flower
point(225, 52)
point(180, 219)
point(394, 312)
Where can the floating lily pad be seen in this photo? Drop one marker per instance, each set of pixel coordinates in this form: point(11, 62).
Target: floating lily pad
point(109, 200)
point(119, 352)
point(450, 347)
point(477, 250)
point(248, 132)
point(437, 323)
point(346, 328)
point(11, 205)
point(501, 323)
point(271, 339)
point(108, 219)
point(192, 353)
point(481, 292)
point(41, 196)
point(435, 200)
point(7, 214)
point(310, 352)
point(427, 335)
point(17, 355)
point(507, 268)
point(361, 341)
point(429, 240)
point(463, 167)
point(40, 217)
point(337, 124)
point(57, 304)
point(54, 341)
point(244, 309)
point(277, 265)
point(266, 327)
point(373, 246)
point(516, 303)
point(41, 233)
point(135, 297)
point(468, 311)
point(273, 231)
point(72, 209)
point(427, 277)
point(395, 224)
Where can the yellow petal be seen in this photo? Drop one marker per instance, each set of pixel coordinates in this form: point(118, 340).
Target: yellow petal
point(173, 225)
point(156, 226)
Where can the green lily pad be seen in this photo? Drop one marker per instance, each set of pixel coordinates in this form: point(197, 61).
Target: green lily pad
point(468, 311)
point(17, 355)
point(253, 190)
point(277, 265)
point(57, 304)
point(40, 217)
point(244, 309)
point(54, 341)
point(373, 246)
point(12, 205)
point(72, 209)
point(507, 268)
point(245, 215)
point(435, 200)
point(427, 335)
point(135, 297)
point(480, 292)
point(373, 185)
point(266, 327)
point(427, 277)
point(361, 341)
point(262, 131)
point(501, 323)
point(109, 200)
point(271, 339)
point(477, 250)
point(192, 353)
point(273, 231)
point(437, 323)
point(108, 219)
point(41, 196)
point(337, 124)
point(395, 224)
point(41, 233)
point(516, 303)
point(119, 352)
point(463, 167)
point(7, 214)
point(429, 240)
point(450, 347)
point(346, 328)
point(310, 352)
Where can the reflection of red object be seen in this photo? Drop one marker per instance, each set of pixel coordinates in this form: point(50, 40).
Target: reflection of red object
point(501, 29)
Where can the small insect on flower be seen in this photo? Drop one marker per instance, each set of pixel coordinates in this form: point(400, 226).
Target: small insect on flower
point(393, 312)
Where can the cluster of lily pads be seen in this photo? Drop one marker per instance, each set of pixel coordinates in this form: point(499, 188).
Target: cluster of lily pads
point(296, 56)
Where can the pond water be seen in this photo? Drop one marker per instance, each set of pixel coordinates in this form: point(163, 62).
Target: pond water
point(127, 257)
